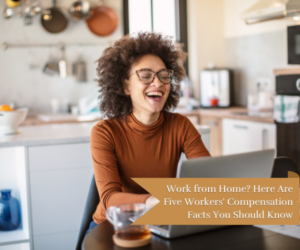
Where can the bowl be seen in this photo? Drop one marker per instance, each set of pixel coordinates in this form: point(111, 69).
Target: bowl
point(10, 120)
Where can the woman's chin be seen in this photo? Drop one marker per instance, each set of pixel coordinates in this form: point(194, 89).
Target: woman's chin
point(155, 109)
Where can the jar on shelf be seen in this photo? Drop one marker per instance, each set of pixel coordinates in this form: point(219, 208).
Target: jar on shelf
point(9, 211)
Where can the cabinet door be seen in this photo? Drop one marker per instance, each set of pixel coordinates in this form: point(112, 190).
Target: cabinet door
point(61, 156)
point(236, 136)
point(58, 187)
point(245, 136)
point(215, 124)
point(60, 241)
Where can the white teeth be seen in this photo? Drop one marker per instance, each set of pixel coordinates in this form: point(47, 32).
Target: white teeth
point(154, 93)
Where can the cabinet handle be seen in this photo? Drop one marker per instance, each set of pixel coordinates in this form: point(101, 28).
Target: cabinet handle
point(298, 84)
point(211, 123)
point(240, 126)
point(264, 141)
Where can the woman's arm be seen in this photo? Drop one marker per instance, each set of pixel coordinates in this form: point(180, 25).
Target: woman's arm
point(193, 145)
point(106, 170)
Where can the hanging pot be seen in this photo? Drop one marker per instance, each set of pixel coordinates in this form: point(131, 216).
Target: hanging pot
point(53, 19)
point(80, 10)
point(103, 21)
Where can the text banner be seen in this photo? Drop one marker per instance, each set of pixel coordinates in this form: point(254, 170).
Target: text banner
point(222, 201)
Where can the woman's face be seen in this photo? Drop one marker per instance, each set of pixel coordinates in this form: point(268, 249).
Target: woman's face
point(149, 98)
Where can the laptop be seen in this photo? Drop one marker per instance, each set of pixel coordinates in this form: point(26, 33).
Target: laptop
point(248, 165)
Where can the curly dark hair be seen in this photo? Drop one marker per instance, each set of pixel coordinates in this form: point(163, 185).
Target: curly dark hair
point(115, 63)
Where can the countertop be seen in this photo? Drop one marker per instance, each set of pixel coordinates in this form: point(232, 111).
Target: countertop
point(232, 112)
point(240, 113)
point(39, 135)
point(49, 134)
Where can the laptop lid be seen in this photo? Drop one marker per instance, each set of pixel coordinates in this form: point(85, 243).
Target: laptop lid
point(257, 164)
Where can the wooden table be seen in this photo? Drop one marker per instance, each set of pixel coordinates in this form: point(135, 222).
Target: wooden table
point(228, 238)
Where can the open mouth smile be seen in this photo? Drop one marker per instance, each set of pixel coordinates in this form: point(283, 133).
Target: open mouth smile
point(155, 96)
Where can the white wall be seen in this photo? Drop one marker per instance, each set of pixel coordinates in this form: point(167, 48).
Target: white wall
point(205, 37)
point(234, 26)
point(22, 80)
point(253, 51)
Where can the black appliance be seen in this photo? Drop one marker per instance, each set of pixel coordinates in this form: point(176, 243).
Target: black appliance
point(293, 33)
point(288, 134)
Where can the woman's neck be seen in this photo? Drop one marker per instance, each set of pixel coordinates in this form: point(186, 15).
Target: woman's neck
point(146, 119)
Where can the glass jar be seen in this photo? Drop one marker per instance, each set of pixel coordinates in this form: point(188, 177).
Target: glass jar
point(9, 211)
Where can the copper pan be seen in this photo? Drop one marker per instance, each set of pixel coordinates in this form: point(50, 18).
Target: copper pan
point(103, 20)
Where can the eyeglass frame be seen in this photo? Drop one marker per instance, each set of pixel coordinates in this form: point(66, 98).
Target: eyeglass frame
point(155, 73)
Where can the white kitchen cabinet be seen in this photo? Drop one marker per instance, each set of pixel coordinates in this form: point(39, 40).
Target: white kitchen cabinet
point(51, 157)
point(60, 177)
point(66, 241)
point(241, 136)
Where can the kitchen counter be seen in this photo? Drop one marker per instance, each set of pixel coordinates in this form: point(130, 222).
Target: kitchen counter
point(34, 120)
point(232, 112)
point(239, 113)
point(49, 134)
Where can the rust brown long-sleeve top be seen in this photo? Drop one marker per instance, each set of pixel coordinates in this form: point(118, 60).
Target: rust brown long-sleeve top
point(122, 150)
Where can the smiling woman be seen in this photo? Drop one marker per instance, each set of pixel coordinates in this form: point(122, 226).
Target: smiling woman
point(118, 65)
point(139, 79)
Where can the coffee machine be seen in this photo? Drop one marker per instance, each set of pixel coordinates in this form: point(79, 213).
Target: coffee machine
point(216, 88)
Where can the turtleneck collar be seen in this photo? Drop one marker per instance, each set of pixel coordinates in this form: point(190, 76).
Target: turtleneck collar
point(143, 129)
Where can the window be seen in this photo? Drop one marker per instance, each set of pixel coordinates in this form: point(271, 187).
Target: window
point(165, 16)
point(140, 18)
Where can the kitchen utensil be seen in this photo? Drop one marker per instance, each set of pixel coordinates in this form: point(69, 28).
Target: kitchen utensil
point(36, 7)
point(79, 70)
point(51, 68)
point(62, 64)
point(80, 10)
point(28, 13)
point(127, 235)
point(53, 20)
point(8, 13)
point(10, 120)
point(13, 3)
point(103, 21)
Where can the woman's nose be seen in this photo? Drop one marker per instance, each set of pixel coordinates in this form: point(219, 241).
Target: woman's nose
point(156, 81)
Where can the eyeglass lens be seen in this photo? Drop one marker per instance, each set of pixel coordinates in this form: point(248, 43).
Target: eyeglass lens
point(148, 76)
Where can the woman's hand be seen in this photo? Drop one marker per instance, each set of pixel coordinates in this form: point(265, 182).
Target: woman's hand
point(152, 201)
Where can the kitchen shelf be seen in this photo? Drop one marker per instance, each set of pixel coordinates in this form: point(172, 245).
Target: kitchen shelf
point(19, 246)
point(14, 176)
point(13, 236)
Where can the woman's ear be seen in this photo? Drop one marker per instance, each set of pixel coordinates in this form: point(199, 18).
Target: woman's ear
point(125, 87)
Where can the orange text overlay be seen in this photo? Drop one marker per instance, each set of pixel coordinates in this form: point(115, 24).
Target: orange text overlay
point(222, 201)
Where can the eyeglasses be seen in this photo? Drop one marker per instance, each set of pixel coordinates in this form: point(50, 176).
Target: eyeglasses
point(147, 76)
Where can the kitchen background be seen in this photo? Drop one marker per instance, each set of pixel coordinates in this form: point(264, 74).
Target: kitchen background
point(216, 34)
point(22, 79)
point(48, 165)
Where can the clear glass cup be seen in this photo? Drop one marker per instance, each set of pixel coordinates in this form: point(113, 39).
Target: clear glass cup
point(121, 217)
